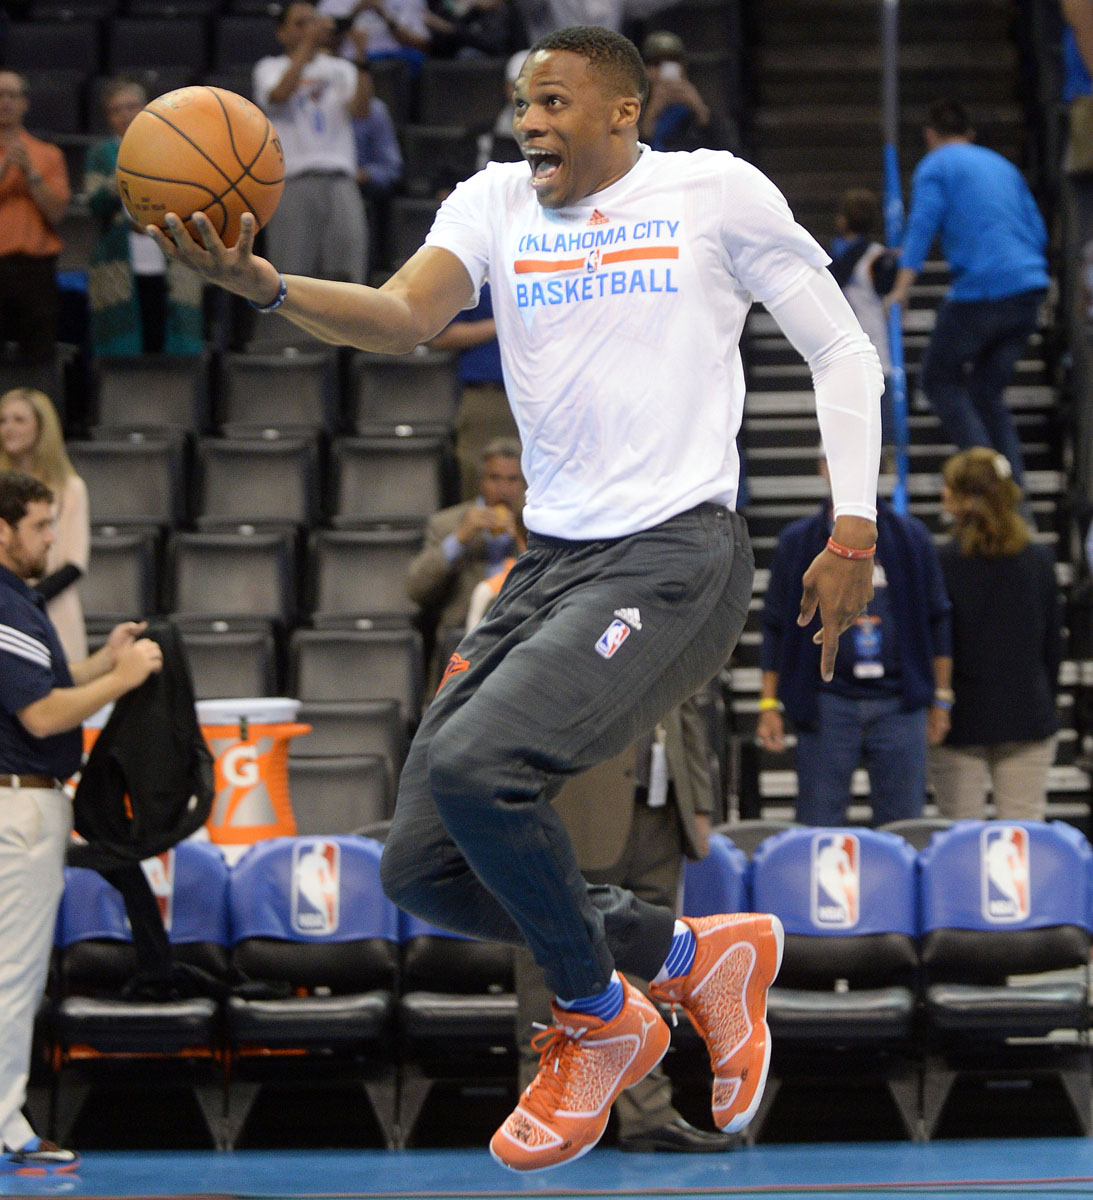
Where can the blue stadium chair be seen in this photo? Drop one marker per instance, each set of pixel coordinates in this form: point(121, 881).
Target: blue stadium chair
point(844, 1002)
point(1002, 902)
point(99, 1025)
point(457, 1014)
point(310, 913)
point(717, 883)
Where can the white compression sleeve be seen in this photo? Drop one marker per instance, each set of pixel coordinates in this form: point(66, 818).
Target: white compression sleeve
point(848, 381)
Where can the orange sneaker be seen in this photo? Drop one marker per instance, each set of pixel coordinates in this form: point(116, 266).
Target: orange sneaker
point(737, 957)
point(585, 1064)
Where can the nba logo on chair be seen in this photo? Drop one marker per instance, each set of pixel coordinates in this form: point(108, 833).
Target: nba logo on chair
point(835, 880)
point(1004, 873)
point(316, 887)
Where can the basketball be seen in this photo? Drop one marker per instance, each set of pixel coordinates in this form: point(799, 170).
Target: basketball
point(201, 149)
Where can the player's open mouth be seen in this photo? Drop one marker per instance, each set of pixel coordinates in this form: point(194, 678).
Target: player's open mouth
point(544, 166)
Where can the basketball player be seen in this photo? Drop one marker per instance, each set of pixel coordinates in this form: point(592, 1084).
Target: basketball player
point(621, 280)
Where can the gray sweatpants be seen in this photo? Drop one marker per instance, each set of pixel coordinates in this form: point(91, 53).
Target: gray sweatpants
point(35, 825)
point(320, 229)
point(475, 845)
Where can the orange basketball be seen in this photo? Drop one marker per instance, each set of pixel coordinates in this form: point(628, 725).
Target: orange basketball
point(201, 149)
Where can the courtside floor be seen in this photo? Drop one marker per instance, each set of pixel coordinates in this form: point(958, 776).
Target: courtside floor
point(1055, 1167)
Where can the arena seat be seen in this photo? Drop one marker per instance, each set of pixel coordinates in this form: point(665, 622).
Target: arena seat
point(1002, 903)
point(387, 480)
point(337, 794)
point(101, 1028)
point(844, 1002)
point(360, 573)
point(456, 1015)
point(310, 913)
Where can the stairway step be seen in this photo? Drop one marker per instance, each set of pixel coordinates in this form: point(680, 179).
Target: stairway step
point(814, 57)
point(808, 486)
point(923, 429)
point(795, 401)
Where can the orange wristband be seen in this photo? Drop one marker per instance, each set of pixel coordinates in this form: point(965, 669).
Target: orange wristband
point(849, 552)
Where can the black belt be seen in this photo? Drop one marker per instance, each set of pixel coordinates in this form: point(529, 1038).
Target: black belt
point(29, 781)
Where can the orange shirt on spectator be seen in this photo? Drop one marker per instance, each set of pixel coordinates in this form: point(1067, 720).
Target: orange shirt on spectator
point(23, 228)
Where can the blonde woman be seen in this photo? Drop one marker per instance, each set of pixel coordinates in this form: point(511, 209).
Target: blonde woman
point(31, 441)
point(1006, 646)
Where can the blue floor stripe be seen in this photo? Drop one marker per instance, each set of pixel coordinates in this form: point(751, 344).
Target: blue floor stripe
point(1055, 1167)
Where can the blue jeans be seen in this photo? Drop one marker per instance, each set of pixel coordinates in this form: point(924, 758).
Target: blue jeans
point(968, 365)
point(892, 743)
point(476, 845)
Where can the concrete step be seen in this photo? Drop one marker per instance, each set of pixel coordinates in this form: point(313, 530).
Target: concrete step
point(923, 430)
point(812, 487)
point(780, 462)
point(813, 57)
point(797, 401)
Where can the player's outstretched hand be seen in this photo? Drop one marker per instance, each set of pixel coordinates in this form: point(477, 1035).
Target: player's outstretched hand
point(235, 268)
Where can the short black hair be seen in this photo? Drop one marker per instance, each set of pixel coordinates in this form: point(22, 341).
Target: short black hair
point(949, 118)
point(607, 51)
point(17, 490)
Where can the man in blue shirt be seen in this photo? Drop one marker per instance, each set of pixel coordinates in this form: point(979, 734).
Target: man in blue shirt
point(994, 239)
point(892, 687)
point(43, 701)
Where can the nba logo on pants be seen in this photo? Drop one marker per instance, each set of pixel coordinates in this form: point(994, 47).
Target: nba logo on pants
point(1004, 873)
point(316, 887)
point(836, 880)
point(612, 638)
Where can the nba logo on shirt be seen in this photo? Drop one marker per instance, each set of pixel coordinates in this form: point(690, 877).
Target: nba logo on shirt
point(612, 638)
point(836, 880)
point(316, 887)
point(160, 873)
point(1004, 873)
point(592, 262)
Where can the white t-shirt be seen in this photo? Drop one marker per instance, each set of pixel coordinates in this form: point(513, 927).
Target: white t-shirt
point(410, 14)
point(619, 320)
point(314, 125)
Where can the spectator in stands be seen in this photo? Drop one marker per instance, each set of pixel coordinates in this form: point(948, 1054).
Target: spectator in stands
point(890, 693)
point(379, 167)
point(675, 116)
point(474, 28)
point(382, 29)
point(34, 195)
point(547, 16)
point(1006, 647)
point(311, 97)
point(866, 271)
point(43, 700)
point(498, 144)
point(140, 304)
point(471, 541)
point(632, 820)
point(994, 238)
point(31, 441)
point(484, 410)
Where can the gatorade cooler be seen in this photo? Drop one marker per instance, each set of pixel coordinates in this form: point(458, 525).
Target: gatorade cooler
point(249, 740)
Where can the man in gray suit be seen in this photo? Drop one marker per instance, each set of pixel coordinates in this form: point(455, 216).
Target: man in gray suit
point(632, 820)
point(470, 542)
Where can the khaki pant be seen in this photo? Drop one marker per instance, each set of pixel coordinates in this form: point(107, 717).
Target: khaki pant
point(484, 414)
point(1015, 771)
point(35, 825)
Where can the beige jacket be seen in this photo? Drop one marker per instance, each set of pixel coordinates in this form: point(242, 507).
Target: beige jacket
point(598, 805)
